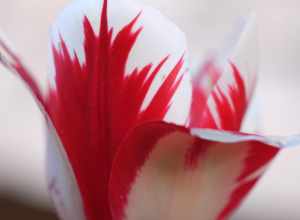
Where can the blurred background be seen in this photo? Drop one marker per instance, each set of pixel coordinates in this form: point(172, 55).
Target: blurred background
point(206, 22)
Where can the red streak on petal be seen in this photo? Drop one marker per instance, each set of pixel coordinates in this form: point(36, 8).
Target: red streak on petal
point(236, 197)
point(195, 153)
point(96, 103)
point(163, 95)
point(259, 156)
point(16, 65)
point(230, 113)
point(202, 86)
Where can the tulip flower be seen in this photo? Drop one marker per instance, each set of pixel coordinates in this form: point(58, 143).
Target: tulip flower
point(132, 132)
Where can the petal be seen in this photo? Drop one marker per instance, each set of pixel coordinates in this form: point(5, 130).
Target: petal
point(152, 45)
point(203, 83)
point(164, 171)
point(134, 56)
point(62, 185)
point(224, 99)
point(11, 60)
point(115, 64)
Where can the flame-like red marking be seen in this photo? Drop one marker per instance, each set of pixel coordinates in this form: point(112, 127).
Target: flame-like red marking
point(202, 86)
point(94, 105)
point(16, 65)
point(230, 117)
point(230, 113)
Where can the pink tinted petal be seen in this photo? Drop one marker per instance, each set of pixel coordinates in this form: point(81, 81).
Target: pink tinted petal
point(162, 171)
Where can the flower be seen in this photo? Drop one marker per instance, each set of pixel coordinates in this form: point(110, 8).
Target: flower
point(131, 132)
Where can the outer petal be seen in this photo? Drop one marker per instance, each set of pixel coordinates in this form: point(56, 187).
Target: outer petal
point(10, 60)
point(130, 67)
point(113, 68)
point(61, 180)
point(163, 171)
point(223, 88)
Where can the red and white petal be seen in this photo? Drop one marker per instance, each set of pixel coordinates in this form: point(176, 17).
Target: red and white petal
point(163, 171)
point(203, 82)
point(158, 39)
point(12, 61)
point(114, 68)
point(231, 91)
point(62, 185)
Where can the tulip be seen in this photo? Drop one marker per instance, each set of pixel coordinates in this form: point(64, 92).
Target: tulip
point(132, 132)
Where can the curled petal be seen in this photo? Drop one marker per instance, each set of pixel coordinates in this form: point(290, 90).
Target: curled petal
point(164, 171)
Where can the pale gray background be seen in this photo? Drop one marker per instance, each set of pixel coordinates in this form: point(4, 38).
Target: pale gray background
point(206, 23)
